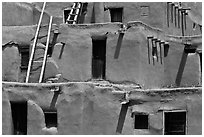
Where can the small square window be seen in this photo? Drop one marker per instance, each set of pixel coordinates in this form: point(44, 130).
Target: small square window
point(141, 121)
point(50, 119)
point(116, 14)
point(144, 10)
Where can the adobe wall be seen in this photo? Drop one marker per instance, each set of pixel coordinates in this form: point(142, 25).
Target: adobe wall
point(23, 14)
point(11, 61)
point(95, 108)
point(132, 64)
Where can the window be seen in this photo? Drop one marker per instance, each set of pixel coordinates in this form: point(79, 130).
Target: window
point(175, 123)
point(24, 60)
point(24, 51)
point(19, 116)
point(141, 121)
point(116, 14)
point(50, 118)
point(66, 14)
point(144, 10)
point(99, 57)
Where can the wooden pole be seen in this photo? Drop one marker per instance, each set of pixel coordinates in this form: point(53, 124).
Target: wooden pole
point(46, 49)
point(34, 44)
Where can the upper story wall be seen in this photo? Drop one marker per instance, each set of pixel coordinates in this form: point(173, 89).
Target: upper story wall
point(23, 14)
point(132, 64)
point(151, 13)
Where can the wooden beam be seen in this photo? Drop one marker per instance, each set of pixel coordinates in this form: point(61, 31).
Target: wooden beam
point(118, 46)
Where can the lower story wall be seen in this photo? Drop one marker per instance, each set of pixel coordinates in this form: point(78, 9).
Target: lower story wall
point(94, 108)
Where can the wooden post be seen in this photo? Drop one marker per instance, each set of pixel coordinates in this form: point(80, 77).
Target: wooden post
point(46, 49)
point(119, 43)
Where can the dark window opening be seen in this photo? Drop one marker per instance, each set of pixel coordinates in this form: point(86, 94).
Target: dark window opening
point(66, 14)
point(141, 121)
point(98, 58)
point(24, 51)
point(24, 60)
point(175, 123)
point(200, 54)
point(116, 14)
point(50, 118)
point(49, 51)
point(19, 116)
point(189, 50)
point(144, 10)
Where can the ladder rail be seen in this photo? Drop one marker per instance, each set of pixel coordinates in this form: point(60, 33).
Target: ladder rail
point(34, 44)
point(76, 6)
point(71, 12)
point(46, 51)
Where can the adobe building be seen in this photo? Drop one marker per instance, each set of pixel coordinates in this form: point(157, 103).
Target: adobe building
point(121, 68)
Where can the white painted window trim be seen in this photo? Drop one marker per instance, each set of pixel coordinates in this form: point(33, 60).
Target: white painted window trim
point(166, 111)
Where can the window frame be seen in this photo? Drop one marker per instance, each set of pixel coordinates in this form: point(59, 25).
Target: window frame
point(46, 113)
point(115, 8)
point(174, 111)
point(139, 114)
point(142, 13)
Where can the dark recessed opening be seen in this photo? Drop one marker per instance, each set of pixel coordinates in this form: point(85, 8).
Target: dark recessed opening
point(175, 123)
point(98, 58)
point(141, 121)
point(49, 51)
point(189, 50)
point(66, 14)
point(24, 60)
point(200, 55)
point(24, 51)
point(51, 119)
point(116, 14)
point(19, 116)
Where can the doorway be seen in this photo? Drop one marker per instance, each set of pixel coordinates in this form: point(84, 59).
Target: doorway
point(99, 57)
point(19, 116)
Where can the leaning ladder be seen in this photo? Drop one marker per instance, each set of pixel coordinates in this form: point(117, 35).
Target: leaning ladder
point(74, 13)
point(34, 48)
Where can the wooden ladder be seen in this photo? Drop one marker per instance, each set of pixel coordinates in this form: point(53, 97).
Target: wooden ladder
point(31, 59)
point(74, 13)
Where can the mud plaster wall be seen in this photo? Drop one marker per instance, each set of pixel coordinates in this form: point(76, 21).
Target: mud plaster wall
point(157, 15)
point(11, 61)
point(86, 108)
point(23, 14)
point(192, 70)
point(132, 64)
point(154, 106)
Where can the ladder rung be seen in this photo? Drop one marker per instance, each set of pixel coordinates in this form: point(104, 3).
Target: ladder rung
point(76, 8)
point(71, 20)
point(72, 14)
